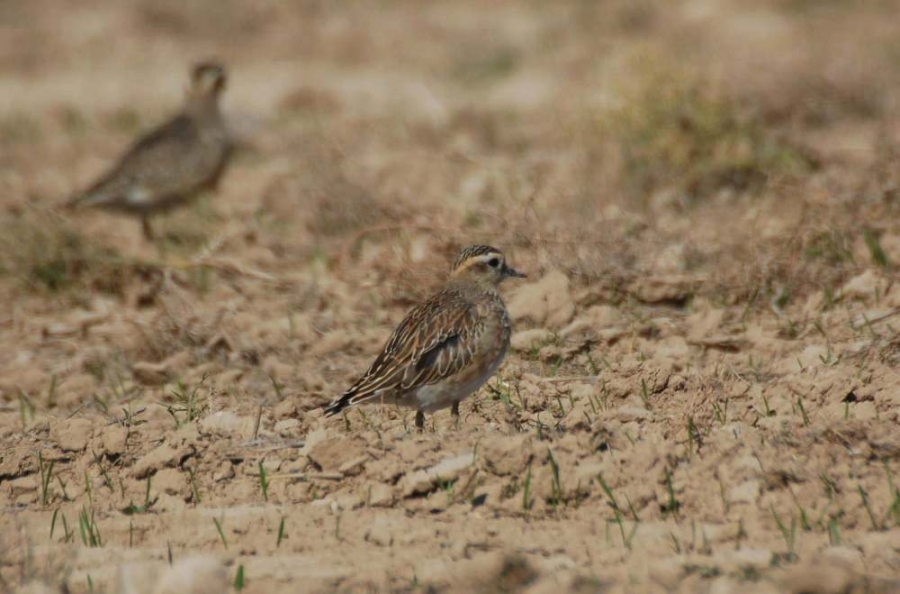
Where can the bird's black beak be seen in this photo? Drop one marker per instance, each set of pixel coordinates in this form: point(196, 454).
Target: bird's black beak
point(509, 271)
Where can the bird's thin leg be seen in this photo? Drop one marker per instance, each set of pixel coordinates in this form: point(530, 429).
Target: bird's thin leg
point(148, 230)
point(454, 413)
point(420, 420)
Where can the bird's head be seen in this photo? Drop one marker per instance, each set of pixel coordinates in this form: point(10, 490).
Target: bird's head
point(208, 79)
point(484, 265)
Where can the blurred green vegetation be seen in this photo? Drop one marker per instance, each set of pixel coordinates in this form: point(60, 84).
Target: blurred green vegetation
point(675, 130)
point(47, 254)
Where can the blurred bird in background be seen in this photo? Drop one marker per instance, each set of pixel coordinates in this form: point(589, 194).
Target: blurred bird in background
point(173, 162)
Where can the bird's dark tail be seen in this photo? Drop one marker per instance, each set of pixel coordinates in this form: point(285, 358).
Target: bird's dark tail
point(361, 391)
point(88, 198)
point(338, 404)
point(73, 202)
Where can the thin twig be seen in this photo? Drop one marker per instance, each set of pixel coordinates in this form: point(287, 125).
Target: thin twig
point(227, 266)
point(359, 235)
point(257, 423)
point(322, 476)
point(881, 318)
point(570, 378)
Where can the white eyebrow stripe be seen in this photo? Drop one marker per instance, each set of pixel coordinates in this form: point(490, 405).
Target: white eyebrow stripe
point(487, 257)
point(475, 260)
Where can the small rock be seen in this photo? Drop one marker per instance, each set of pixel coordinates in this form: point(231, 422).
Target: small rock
point(136, 578)
point(508, 572)
point(575, 328)
point(169, 503)
point(673, 347)
point(848, 557)
point(585, 473)
point(819, 578)
point(380, 495)
point(547, 302)
point(59, 330)
point(437, 501)
point(151, 374)
point(748, 463)
point(417, 482)
point(295, 466)
point(611, 335)
point(225, 423)
point(170, 481)
point(163, 456)
point(195, 575)
point(250, 468)
point(336, 340)
point(492, 495)
point(529, 339)
point(814, 355)
point(286, 409)
point(678, 383)
point(354, 467)
point(38, 587)
point(181, 362)
point(861, 286)
point(627, 414)
point(227, 380)
point(755, 558)
point(603, 316)
point(746, 492)
point(23, 485)
point(668, 573)
point(864, 411)
point(332, 453)
point(704, 323)
point(287, 427)
point(219, 342)
point(507, 455)
point(738, 389)
point(224, 472)
point(348, 501)
point(663, 289)
point(274, 368)
point(379, 533)
point(313, 439)
point(72, 435)
point(672, 258)
point(449, 469)
point(114, 441)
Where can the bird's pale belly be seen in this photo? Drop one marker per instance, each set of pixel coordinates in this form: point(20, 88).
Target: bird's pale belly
point(442, 395)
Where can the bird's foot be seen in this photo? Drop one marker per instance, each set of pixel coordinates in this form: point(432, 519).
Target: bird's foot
point(147, 229)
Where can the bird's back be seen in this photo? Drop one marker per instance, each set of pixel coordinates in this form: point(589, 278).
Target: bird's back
point(165, 166)
point(457, 337)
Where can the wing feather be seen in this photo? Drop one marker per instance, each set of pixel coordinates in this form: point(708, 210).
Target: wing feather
point(427, 346)
point(140, 164)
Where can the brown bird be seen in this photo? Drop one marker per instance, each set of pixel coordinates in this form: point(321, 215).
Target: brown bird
point(172, 163)
point(445, 348)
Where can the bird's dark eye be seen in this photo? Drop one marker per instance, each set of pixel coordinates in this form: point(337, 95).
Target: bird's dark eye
point(494, 262)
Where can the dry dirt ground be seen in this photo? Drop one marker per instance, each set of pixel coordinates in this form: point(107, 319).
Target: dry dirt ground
point(702, 394)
